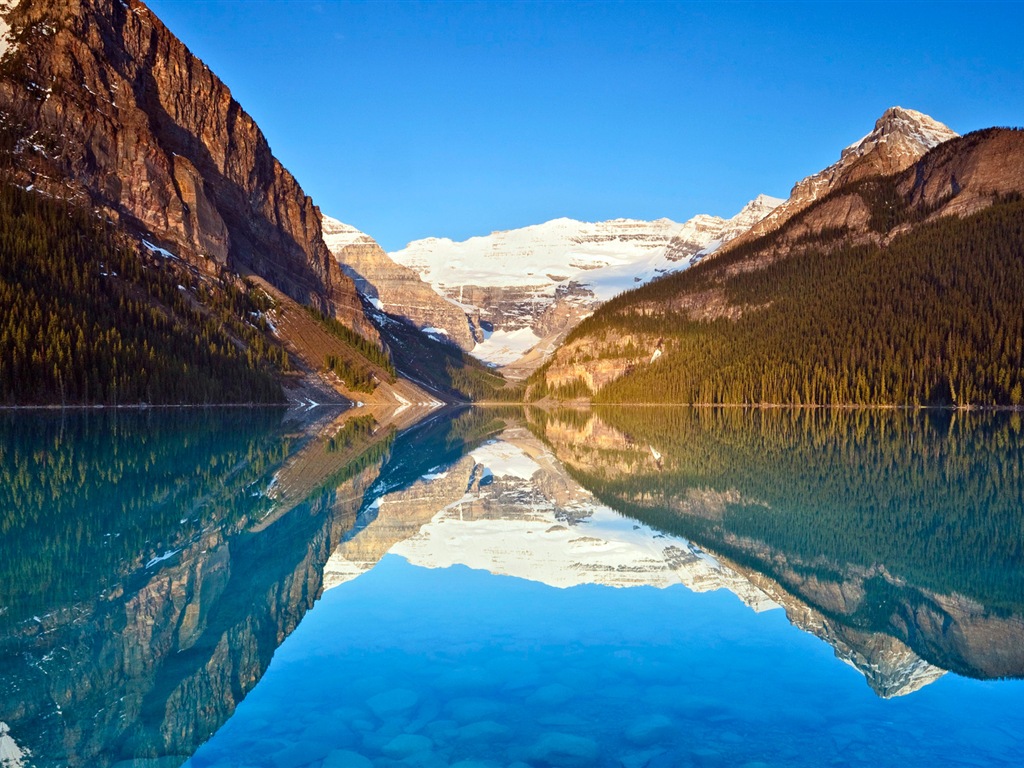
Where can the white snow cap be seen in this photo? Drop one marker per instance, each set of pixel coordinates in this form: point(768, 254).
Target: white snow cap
point(909, 123)
point(338, 234)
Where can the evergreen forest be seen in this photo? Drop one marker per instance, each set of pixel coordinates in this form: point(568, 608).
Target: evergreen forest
point(86, 319)
point(933, 318)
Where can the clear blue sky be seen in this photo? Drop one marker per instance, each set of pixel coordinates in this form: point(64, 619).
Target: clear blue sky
point(415, 119)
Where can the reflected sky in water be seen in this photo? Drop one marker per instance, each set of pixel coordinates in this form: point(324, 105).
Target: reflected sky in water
point(508, 588)
point(432, 667)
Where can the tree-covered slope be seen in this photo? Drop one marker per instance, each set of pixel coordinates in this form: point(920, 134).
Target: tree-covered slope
point(86, 319)
point(881, 293)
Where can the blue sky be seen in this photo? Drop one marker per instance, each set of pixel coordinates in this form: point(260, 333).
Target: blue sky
point(415, 119)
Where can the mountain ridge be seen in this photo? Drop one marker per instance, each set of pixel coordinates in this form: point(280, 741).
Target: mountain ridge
point(899, 138)
point(830, 256)
point(526, 288)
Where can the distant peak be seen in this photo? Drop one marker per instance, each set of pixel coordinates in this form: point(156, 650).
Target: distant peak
point(908, 125)
point(764, 201)
point(338, 234)
point(333, 226)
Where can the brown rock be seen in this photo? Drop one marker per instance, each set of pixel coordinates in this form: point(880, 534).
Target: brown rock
point(111, 108)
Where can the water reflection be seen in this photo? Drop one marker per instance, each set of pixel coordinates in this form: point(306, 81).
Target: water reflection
point(895, 536)
point(494, 608)
point(153, 563)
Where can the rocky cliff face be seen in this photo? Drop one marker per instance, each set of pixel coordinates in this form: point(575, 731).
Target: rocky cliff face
point(396, 288)
point(900, 138)
point(105, 106)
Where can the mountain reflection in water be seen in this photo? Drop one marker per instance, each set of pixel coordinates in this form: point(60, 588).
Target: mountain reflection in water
point(154, 562)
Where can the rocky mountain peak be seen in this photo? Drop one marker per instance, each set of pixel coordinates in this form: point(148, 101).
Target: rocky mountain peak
point(901, 130)
point(756, 209)
point(394, 288)
point(899, 139)
point(338, 234)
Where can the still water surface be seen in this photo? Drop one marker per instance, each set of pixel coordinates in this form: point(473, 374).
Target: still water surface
point(509, 588)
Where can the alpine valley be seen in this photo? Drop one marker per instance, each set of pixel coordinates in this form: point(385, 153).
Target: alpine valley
point(155, 251)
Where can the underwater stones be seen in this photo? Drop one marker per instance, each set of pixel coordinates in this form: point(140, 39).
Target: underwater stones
point(649, 730)
point(344, 758)
point(486, 731)
point(463, 680)
point(397, 701)
point(472, 709)
point(564, 750)
point(407, 745)
point(640, 759)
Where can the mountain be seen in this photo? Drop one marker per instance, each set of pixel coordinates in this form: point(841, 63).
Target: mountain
point(525, 288)
point(219, 253)
point(110, 108)
point(395, 288)
point(899, 139)
point(888, 289)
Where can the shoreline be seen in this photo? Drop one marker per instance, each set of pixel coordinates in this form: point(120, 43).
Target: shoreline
point(543, 405)
point(147, 406)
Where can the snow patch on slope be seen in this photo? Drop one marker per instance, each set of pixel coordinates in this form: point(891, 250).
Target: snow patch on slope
point(11, 755)
point(338, 234)
point(6, 35)
point(504, 347)
point(541, 254)
point(505, 460)
point(604, 258)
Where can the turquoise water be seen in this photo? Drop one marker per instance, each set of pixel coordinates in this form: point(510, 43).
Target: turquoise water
point(409, 666)
point(506, 588)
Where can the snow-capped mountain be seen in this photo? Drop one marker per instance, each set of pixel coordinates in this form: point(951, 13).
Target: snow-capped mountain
point(508, 508)
point(527, 287)
point(900, 138)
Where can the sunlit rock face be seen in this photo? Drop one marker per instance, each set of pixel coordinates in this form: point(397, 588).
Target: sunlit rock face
point(899, 139)
point(112, 110)
point(395, 288)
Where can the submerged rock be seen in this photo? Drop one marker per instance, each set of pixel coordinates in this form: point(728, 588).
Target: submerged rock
point(344, 758)
point(649, 730)
point(394, 702)
point(407, 745)
point(564, 750)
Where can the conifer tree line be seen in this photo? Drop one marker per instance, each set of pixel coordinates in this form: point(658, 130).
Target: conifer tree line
point(84, 319)
point(936, 317)
point(357, 370)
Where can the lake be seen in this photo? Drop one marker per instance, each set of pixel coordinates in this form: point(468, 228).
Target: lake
point(504, 587)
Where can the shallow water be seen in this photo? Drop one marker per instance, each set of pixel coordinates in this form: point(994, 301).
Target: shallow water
point(500, 588)
point(414, 666)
